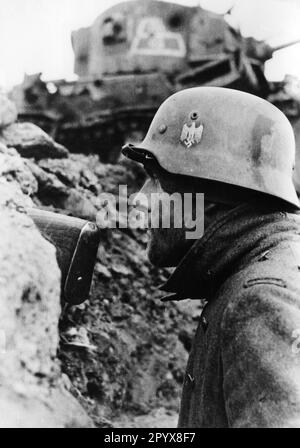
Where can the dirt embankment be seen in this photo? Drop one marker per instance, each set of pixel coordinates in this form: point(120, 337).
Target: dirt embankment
point(32, 391)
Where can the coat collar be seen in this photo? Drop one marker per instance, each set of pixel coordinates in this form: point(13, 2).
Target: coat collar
point(230, 242)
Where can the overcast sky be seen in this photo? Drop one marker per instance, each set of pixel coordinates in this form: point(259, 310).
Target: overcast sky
point(35, 34)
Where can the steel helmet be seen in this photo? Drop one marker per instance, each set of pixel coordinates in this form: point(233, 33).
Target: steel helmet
point(223, 135)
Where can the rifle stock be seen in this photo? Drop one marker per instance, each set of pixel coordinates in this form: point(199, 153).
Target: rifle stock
point(76, 242)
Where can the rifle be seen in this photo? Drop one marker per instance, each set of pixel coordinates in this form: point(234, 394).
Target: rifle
point(76, 242)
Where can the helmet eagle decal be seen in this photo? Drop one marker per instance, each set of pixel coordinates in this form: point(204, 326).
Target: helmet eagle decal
point(191, 135)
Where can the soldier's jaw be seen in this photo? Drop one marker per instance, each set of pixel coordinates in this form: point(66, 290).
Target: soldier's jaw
point(166, 247)
point(156, 252)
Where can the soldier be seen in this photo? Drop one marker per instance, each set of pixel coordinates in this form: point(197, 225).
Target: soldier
point(237, 149)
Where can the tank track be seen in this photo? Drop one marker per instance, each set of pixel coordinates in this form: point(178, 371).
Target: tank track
point(103, 133)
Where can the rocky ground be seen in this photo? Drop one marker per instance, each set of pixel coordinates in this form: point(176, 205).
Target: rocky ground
point(123, 352)
point(129, 369)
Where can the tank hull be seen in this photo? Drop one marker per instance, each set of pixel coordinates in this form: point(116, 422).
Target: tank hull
point(129, 61)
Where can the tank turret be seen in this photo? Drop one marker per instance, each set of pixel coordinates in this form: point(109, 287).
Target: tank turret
point(189, 45)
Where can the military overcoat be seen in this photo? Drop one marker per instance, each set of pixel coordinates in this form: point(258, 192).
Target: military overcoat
point(244, 366)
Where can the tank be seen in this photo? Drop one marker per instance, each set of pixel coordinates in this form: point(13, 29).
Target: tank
point(133, 57)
